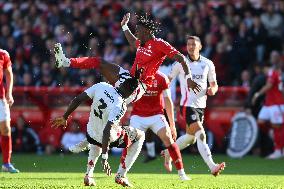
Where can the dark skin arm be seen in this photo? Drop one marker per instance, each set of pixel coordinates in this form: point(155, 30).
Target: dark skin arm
point(105, 147)
point(62, 121)
point(129, 36)
point(190, 83)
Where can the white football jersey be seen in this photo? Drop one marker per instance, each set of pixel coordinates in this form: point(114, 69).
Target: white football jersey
point(107, 105)
point(202, 70)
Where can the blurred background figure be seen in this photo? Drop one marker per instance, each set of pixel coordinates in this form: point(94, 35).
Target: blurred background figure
point(72, 136)
point(25, 138)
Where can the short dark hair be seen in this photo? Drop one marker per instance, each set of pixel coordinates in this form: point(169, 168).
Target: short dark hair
point(145, 20)
point(193, 37)
point(133, 82)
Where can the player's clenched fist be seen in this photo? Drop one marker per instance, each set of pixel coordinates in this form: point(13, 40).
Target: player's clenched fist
point(59, 122)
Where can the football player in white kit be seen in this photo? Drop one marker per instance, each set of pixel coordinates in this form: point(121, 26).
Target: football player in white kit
point(103, 130)
point(193, 105)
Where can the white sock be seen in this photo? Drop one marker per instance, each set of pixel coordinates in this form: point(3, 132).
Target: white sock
point(150, 146)
point(93, 157)
point(181, 172)
point(204, 150)
point(184, 141)
point(132, 154)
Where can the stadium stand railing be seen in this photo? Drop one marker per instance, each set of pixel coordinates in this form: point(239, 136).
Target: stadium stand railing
point(38, 105)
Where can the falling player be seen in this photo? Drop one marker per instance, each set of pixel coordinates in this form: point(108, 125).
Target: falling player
point(103, 130)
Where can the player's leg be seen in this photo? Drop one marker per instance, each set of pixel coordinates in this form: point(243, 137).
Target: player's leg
point(130, 154)
point(108, 70)
point(195, 128)
point(150, 146)
point(276, 120)
point(6, 139)
point(94, 154)
point(161, 127)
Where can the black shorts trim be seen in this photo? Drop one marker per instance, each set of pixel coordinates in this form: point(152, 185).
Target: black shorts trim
point(191, 114)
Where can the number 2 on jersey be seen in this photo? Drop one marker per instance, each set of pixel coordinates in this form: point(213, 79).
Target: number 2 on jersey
point(102, 106)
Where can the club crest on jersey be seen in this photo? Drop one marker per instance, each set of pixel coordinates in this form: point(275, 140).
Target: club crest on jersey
point(193, 117)
point(202, 67)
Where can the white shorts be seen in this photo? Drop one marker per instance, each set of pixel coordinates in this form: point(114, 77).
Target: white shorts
point(4, 110)
point(155, 123)
point(274, 114)
point(138, 93)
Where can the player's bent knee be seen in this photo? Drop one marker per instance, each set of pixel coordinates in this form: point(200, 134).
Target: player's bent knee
point(5, 129)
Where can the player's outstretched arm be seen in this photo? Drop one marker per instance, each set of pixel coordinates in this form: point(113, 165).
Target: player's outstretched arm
point(62, 121)
point(190, 83)
point(262, 91)
point(129, 36)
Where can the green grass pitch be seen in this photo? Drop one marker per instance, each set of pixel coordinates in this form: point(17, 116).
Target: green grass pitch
point(67, 171)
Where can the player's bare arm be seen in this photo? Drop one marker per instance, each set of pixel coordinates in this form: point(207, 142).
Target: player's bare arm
point(262, 91)
point(170, 112)
point(62, 121)
point(105, 148)
point(129, 36)
point(212, 89)
point(191, 84)
point(9, 85)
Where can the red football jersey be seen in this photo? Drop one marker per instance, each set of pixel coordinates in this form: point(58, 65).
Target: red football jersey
point(5, 62)
point(274, 96)
point(151, 56)
point(151, 102)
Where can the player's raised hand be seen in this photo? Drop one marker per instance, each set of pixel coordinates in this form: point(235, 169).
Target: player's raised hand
point(106, 167)
point(59, 122)
point(125, 19)
point(193, 85)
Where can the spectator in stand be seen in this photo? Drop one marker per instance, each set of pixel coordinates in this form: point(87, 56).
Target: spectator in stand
point(25, 138)
point(73, 136)
point(245, 79)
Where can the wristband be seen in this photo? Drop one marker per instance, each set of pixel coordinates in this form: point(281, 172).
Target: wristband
point(125, 27)
point(105, 156)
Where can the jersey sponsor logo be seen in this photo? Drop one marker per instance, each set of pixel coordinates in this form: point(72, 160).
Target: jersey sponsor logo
point(109, 96)
point(243, 135)
point(197, 76)
point(151, 93)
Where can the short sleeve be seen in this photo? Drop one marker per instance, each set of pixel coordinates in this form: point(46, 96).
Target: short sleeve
point(166, 48)
point(166, 82)
point(212, 73)
point(175, 71)
point(91, 91)
point(7, 60)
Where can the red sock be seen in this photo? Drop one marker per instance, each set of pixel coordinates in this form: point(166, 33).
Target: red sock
point(277, 138)
point(6, 144)
point(175, 155)
point(122, 158)
point(85, 62)
point(282, 136)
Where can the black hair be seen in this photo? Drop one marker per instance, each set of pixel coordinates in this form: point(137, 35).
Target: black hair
point(133, 82)
point(145, 20)
point(188, 37)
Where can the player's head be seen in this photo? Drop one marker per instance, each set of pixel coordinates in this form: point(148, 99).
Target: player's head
point(130, 84)
point(193, 45)
point(145, 26)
